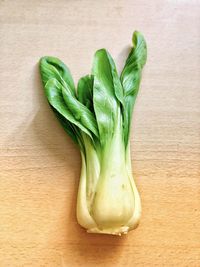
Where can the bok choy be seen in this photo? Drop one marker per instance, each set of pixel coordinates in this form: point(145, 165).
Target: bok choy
point(97, 116)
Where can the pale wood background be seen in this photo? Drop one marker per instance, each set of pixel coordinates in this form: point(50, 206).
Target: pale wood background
point(40, 166)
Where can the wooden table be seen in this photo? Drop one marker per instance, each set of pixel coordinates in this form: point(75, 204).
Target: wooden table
point(40, 165)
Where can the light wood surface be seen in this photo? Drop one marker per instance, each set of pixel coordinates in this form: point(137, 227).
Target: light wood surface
point(40, 165)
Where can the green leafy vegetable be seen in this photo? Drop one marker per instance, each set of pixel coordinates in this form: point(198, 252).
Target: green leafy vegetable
point(97, 116)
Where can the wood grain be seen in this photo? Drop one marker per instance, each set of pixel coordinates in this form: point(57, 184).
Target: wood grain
point(40, 166)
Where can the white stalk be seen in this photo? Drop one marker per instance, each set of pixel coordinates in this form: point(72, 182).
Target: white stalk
point(108, 200)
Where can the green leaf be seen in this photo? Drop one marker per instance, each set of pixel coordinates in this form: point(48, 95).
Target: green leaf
point(51, 67)
point(60, 91)
point(131, 76)
point(54, 92)
point(80, 112)
point(105, 100)
point(118, 89)
point(85, 91)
